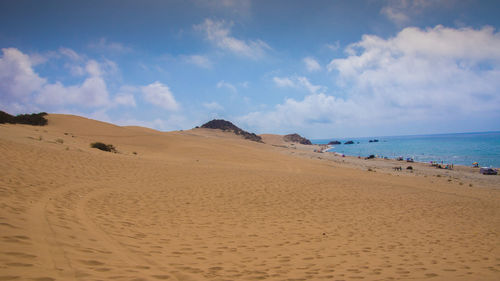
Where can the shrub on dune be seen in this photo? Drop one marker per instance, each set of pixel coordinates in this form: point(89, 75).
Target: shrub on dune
point(35, 119)
point(103, 146)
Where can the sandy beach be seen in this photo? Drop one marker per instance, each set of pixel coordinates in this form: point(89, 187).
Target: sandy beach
point(203, 204)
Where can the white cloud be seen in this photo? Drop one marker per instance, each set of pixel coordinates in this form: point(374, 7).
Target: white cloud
point(198, 60)
point(298, 82)
point(17, 78)
point(304, 82)
point(435, 76)
point(160, 95)
point(334, 47)
point(283, 82)
point(395, 15)
point(75, 70)
point(22, 89)
point(311, 64)
point(71, 54)
point(434, 69)
point(402, 11)
point(218, 32)
point(93, 68)
point(214, 106)
point(292, 114)
point(227, 85)
point(91, 93)
point(125, 99)
point(104, 45)
point(126, 96)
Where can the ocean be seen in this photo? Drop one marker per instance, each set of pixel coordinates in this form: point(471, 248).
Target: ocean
point(458, 149)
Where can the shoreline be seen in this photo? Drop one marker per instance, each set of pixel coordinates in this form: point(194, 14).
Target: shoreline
point(461, 174)
point(414, 161)
point(455, 148)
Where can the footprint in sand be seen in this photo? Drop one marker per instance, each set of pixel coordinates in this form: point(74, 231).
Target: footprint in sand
point(8, 277)
point(20, 255)
point(19, 264)
point(161, 277)
point(91, 262)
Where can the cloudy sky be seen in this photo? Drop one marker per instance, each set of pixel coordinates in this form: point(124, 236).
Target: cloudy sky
point(319, 68)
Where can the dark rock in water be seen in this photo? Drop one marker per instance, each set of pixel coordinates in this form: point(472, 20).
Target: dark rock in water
point(296, 138)
point(349, 142)
point(334, 143)
point(375, 140)
point(230, 127)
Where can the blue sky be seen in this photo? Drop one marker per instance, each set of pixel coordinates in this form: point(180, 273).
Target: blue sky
point(319, 68)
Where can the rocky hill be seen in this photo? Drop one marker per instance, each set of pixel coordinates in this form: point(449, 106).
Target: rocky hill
point(297, 138)
point(228, 126)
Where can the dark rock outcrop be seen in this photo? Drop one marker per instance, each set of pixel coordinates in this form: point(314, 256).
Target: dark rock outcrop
point(35, 119)
point(349, 142)
point(230, 127)
point(297, 138)
point(334, 143)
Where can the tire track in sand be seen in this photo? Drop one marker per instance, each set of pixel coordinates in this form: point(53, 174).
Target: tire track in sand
point(145, 267)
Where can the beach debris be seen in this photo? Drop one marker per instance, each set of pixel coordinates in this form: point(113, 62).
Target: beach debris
point(488, 171)
point(409, 168)
point(370, 157)
point(400, 158)
point(409, 159)
point(397, 168)
point(442, 166)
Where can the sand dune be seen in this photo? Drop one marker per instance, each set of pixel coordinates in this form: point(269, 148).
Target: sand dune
point(208, 205)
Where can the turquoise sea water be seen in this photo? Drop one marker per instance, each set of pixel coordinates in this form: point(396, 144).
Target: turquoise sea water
point(459, 149)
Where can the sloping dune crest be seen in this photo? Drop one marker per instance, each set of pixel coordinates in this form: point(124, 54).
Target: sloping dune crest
point(208, 205)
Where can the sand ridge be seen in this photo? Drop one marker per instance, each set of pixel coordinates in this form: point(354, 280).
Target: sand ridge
point(204, 205)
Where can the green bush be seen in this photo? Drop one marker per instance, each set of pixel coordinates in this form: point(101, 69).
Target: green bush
point(103, 146)
point(35, 119)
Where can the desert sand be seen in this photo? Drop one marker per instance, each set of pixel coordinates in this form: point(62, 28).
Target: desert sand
point(207, 205)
